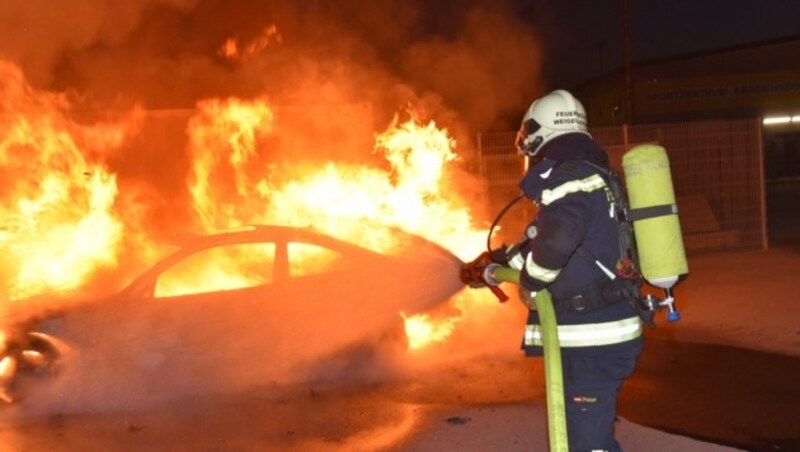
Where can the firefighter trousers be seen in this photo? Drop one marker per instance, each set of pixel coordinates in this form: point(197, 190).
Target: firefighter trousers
point(591, 386)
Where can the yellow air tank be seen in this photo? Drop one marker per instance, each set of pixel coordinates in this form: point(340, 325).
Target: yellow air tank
point(655, 217)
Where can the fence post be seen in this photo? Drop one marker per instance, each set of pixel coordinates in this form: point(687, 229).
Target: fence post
point(762, 186)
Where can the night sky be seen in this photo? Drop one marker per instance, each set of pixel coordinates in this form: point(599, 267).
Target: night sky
point(584, 38)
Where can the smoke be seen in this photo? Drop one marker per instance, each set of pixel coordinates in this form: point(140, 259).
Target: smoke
point(485, 73)
point(39, 34)
point(471, 61)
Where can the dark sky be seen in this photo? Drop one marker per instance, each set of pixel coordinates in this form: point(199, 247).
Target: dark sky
point(584, 37)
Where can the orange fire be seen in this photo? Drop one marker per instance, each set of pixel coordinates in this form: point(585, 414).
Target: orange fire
point(422, 330)
point(57, 203)
point(233, 50)
point(358, 203)
point(63, 219)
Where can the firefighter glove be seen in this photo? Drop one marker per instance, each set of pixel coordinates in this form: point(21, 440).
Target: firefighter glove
point(527, 297)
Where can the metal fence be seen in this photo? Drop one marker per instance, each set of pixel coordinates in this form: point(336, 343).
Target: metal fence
point(717, 173)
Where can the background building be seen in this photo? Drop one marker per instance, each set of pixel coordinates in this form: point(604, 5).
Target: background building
point(730, 121)
point(754, 81)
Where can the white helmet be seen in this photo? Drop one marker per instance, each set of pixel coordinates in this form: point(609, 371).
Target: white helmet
point(552, 115)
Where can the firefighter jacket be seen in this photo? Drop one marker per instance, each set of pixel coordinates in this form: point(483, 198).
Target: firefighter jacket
point(575, 234)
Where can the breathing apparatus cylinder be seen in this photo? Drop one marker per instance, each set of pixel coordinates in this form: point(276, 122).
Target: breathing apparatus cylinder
point(655, 218)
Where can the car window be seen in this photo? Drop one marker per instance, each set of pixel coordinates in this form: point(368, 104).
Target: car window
point(307, 259)
point(220, 268)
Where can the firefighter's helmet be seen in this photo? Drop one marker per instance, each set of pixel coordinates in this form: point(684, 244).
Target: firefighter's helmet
point(550, 116)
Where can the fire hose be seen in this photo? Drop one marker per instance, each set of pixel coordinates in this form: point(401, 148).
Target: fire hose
point(482, 272)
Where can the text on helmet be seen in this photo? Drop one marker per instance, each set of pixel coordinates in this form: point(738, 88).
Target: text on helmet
point(569, 117)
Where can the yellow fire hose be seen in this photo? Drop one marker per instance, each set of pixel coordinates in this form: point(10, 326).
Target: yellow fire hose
point(554, 378)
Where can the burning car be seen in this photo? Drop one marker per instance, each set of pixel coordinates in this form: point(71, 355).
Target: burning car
point(224, 312)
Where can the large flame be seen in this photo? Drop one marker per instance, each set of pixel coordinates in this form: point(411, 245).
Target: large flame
point(231, 182)
point(358, 203)
point(57, 218)
point(62, 219)
point(224, 181)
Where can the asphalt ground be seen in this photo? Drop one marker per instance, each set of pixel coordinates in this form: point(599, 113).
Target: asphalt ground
point(730, 396)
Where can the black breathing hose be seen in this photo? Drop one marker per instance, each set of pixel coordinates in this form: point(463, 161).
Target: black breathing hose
point(497, 220)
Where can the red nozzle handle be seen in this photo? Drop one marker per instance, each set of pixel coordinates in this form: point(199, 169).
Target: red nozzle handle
point(498, 292)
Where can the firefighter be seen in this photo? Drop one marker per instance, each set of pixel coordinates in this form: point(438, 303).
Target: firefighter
point(572, 248)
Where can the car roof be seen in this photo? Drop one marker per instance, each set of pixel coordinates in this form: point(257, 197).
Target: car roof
point(280, 235)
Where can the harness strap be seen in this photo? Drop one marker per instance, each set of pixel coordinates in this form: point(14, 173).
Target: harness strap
point(644, 213)
point(597, 295)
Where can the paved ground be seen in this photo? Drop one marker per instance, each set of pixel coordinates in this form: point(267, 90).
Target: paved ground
point(690, 393)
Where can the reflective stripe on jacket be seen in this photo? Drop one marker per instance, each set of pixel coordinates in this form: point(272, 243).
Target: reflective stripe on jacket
point(589, 334)
point(586, 185)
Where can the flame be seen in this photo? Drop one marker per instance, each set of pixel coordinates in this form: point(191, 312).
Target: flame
point(358, 203)
point(57, 207)
point(63, 217)
point(232, 50)
point(349, 201)
point(423, 330)
point(8, 367)
point(223, 139)
point(346, 201)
